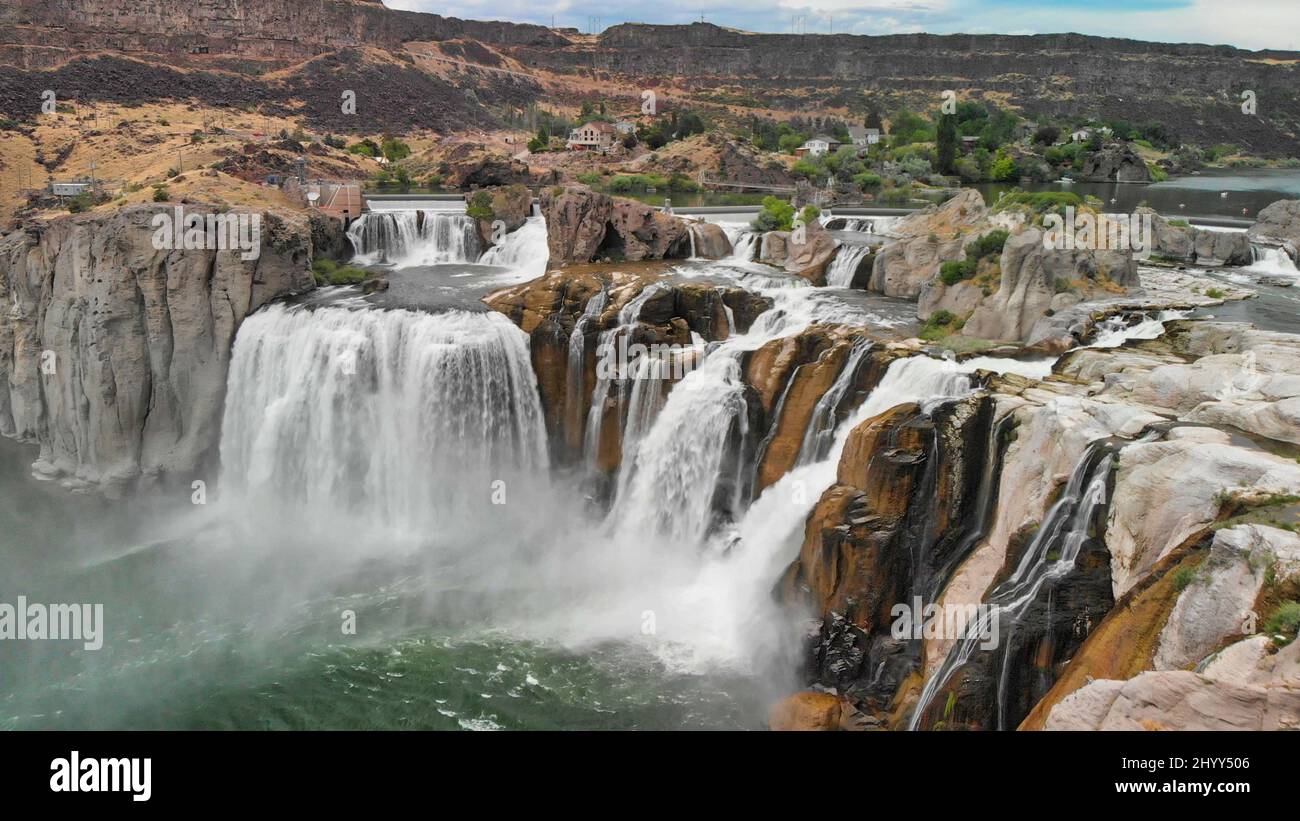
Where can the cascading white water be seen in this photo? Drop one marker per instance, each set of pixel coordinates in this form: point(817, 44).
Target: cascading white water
point(409, 238)
point(609, 374)
point(404, 420)
point(728, 603)
point(1116, 330)
point(870, 225)
point(744, 242)
point(523, 250)
point(577, 363)
point(1271, 261)
point(819, 435)
point(1051, 555)
point(845, 265)
point(682, 462)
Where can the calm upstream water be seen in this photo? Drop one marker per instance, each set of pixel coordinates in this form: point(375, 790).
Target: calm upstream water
point(1196, 195)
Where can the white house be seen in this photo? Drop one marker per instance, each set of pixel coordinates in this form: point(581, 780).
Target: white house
point(817, 146)
point(1081, 136)
point(863, 137)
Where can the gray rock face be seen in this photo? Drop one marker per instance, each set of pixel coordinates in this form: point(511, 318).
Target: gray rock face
point(927, 239)
point(1030, 273)
point(1115, 163)
point(113, 353)
point(1215, 606)
point(1197, 246)
point(1279, 224)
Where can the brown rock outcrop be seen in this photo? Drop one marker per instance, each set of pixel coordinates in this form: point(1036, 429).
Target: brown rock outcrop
point(583, 225)
point(510, 204)
point(807, 710)
point(549, 308)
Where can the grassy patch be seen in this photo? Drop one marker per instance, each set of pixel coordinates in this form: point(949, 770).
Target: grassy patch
point(1285, 622)
point(329, 272)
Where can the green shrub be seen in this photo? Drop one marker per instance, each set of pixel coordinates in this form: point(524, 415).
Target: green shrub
point(1184, 576)
point(480, 206)
point(160, 193)
point(365, 148)
point(395, 149)
point(590, 178)
point(1039, 202)
point(329, 272)
point(776, 215)
point(953, 272)
point(942, 323)
point(1284, 622)
point(866, 179)
point(81, 202)
point(990, 243)
point(1214, 293)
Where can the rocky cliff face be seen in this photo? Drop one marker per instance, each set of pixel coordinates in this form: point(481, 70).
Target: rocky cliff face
point(926, 240)
point(1035, 280)
point(1058, 75)
point(1196, 246)
point(290, 29)
point(1155, 590)
point(113, 352)
point(1115, 163)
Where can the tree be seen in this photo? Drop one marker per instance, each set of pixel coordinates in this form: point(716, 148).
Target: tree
point(946, 143)
point(1047, 135)
point(777, 215)
point(1004, 168)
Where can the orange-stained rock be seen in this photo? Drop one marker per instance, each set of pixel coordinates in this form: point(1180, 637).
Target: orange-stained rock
point(806, 710)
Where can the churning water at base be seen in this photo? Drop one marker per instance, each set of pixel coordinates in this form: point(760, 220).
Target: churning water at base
point(1270, 261)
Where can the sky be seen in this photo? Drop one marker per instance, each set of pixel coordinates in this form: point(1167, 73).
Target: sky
point(1252, 24)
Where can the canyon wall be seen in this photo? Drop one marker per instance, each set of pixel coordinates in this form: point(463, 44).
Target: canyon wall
point(113, 353)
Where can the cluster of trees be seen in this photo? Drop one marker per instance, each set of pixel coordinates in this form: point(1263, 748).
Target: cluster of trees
point(390, 148)
point(787, 135)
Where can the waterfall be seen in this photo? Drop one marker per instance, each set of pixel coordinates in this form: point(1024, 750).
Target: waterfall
point(845, 265)
point(820, 434)
point(1271, 261)
point(523, 250)
point(608, 373)
point(744, 242)
point(870, 225)
point(409, 238)
point(1050, 556)
point(405, 420)
point(689, 458)
point(1116, 330)
point(575, 377)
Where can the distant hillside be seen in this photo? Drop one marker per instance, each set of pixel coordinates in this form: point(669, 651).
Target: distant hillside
point(424, 70)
